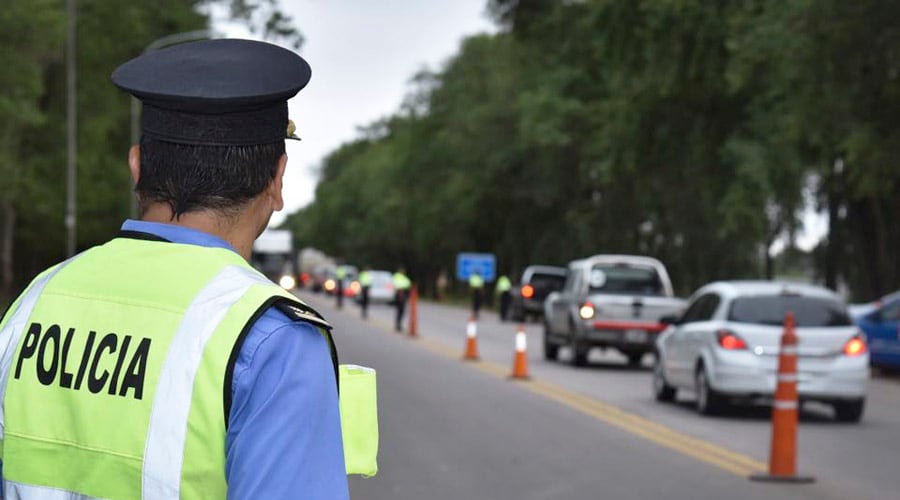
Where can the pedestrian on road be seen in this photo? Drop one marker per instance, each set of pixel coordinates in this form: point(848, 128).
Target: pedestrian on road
point(476, 284)
point(178, 371)
point(365, 283)
point(441, 285)
point(402, 285)
point(503, 289)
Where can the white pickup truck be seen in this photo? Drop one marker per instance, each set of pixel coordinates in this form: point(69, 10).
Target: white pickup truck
point(609, 301)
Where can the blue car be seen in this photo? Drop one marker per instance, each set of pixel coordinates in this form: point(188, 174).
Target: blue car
point(882, 328)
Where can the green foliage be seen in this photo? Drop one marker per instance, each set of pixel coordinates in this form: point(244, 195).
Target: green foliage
point(33, 116)
point(682, 129)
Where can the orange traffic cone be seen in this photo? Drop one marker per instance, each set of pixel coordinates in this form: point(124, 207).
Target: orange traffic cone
point(783, 458)
point(520, 359)
point(413, 312)
point(471, 340)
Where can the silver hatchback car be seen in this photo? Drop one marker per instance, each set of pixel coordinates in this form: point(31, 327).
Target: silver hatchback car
point(725, 346)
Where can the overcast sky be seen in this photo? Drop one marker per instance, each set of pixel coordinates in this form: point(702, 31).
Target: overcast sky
point(362, 53)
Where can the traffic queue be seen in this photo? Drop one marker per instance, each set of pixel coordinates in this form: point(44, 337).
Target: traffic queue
point(722, 343)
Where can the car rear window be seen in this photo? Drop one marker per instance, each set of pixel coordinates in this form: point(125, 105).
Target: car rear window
point(771, 309)
point(550, 282)
point(382, 279)
point(623, 278)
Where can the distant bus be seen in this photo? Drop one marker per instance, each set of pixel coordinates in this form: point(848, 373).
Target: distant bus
point(273, 255)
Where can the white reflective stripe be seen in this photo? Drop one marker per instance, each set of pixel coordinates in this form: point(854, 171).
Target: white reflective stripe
point(784, 405)
point(18, 491)
point(787, 377)
point(471, 329)
point(12, 333)
point(789, 350)
point(521, 342)
point(164, 451)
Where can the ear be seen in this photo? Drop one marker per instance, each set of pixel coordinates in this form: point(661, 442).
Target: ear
point(277, 184)
point(134, 163)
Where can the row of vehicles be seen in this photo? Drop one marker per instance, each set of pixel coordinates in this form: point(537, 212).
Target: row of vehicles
point(325, 279)
point(723, 343)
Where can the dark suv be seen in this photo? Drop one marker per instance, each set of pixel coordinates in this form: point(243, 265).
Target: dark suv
point(537, 282)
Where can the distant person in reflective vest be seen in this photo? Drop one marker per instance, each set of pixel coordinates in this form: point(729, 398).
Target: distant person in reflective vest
point(401, 293)
point(161, 364)
point(503, 289)
point(339, 276)
point(365, 283)
point(476, 283)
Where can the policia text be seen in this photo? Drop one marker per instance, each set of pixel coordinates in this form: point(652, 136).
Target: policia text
point(52, 362)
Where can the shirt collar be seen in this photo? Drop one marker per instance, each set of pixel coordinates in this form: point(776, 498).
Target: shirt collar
point(177, 234)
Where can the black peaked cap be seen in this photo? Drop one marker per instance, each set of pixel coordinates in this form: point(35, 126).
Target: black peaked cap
point(215, 92)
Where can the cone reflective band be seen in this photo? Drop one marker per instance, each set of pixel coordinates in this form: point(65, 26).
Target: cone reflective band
point(783, 457)
point(359, 419)
point(471, 329)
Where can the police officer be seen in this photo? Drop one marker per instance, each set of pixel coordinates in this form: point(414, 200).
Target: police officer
point(160, 364)
point(503, 289)
point(476, 284)
point(402, 284)
point(365, 284)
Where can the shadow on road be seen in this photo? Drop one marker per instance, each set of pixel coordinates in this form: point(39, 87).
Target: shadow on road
point(810, 412)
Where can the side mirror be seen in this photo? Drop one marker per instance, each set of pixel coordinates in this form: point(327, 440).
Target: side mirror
point(670, 319)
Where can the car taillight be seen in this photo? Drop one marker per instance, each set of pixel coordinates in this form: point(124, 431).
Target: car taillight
point(586, 311)
point(730, 341)
point(856, 346)
point(528, 291)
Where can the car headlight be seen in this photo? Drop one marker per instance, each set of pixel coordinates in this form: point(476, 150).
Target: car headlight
point(287, 282)
point(586, 311)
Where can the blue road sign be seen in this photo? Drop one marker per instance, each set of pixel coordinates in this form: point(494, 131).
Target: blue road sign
point(484, 264)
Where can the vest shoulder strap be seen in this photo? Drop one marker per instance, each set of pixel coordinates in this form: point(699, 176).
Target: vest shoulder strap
point(299, 311)
point(296, 311)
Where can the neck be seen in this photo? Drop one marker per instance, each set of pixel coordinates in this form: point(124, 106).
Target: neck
point(239, 232)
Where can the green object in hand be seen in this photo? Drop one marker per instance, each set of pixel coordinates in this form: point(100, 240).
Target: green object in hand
point(359, 419)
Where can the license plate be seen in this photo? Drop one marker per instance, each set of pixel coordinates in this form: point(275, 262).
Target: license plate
point(635, 336)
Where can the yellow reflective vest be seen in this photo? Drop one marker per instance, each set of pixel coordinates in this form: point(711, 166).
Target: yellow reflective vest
point(86, 340)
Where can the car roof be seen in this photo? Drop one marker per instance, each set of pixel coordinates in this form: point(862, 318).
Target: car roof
point(542, 269)
point(618, 258)
point(744, 288)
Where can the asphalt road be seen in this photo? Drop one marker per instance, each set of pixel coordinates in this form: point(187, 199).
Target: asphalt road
point(452, 429)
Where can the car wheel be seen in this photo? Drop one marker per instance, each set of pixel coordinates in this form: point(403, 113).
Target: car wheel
point(661, 389)
point(551, 350)
point(708, 401)
point(634, 359)
point(579, 350)
point(849, 411)
point(517, 315)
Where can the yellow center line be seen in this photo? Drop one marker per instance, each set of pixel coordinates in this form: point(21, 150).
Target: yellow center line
point(700, 449)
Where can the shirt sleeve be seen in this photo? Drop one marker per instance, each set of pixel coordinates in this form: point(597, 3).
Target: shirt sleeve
point(284, 433)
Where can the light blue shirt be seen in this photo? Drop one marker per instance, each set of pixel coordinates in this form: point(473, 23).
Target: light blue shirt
point(284, 429)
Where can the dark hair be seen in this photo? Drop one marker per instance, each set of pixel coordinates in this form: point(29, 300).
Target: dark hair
point(191, 178)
